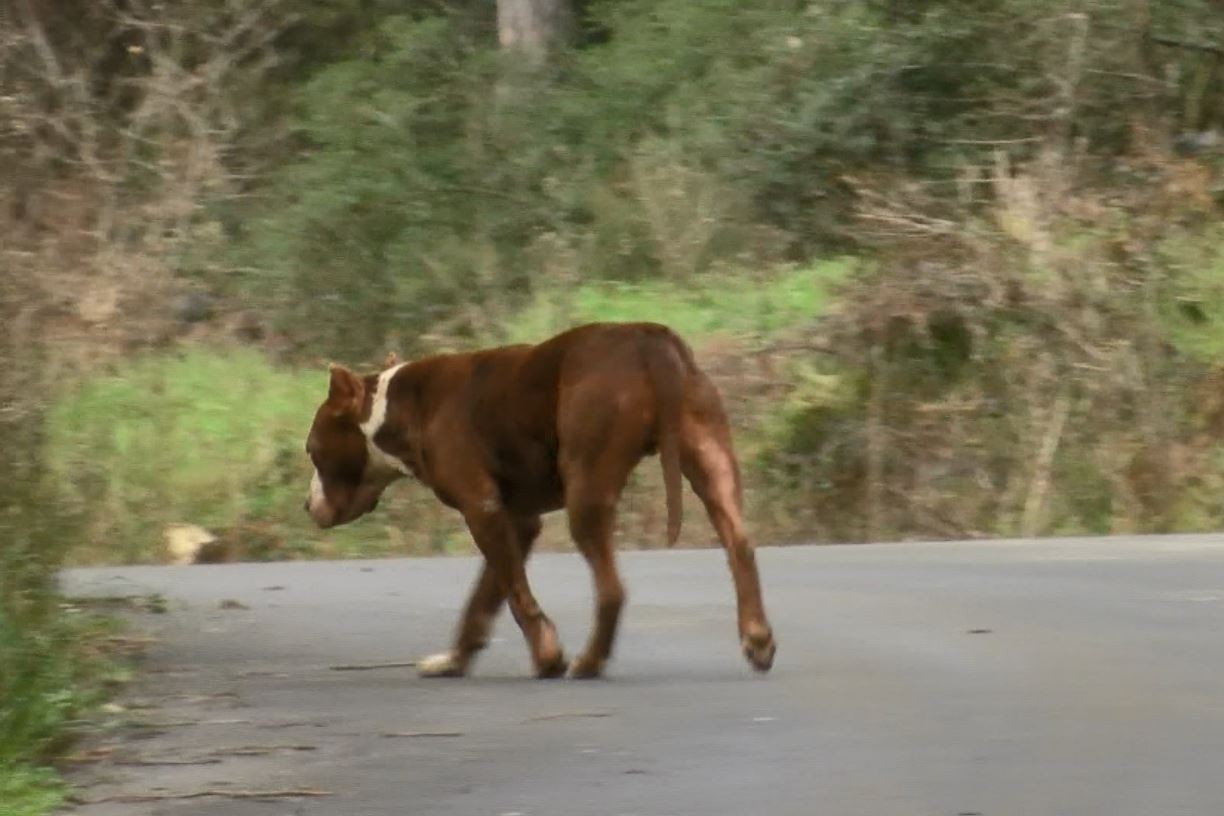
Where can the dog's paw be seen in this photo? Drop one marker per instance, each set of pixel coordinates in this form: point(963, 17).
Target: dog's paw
point(585, 667)
point(445, 664)
point(551, 667)
point(760, 648)
point(549, 657)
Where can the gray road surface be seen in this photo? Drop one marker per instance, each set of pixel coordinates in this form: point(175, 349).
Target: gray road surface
point(1068, 677)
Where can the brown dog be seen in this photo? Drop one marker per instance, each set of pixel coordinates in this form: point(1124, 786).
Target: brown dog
point(504, 435)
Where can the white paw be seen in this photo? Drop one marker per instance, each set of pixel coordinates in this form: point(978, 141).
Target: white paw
point(585, 667)
point(445, 664)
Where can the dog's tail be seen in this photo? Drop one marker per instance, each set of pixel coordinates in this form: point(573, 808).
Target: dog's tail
point(667, 369)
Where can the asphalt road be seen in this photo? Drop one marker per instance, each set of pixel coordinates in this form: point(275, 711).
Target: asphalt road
point(1053, 677)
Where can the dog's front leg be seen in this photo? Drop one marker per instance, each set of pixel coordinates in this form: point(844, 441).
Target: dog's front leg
point(488, 595)
point(495, 533)
point(473, 633)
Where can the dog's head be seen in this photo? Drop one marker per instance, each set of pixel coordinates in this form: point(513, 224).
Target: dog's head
point(346, 484)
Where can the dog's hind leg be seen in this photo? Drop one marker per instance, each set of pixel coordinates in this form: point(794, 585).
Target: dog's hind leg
point(592, 517)
point(488, 595)
point(595, 474)
point(709, 464)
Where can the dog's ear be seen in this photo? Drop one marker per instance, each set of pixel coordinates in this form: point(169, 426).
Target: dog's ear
point(392, 359)
point(345, 391)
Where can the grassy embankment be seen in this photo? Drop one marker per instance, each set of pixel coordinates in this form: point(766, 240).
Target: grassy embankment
point(213, 436)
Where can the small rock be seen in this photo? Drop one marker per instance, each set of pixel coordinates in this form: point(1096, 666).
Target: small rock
point(194, 307)
point(185, 542)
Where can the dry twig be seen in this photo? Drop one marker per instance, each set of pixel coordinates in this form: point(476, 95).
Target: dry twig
point(568, 714)
point(136, 798)
point(371, 666)
point(259, 750)
point(156, 762)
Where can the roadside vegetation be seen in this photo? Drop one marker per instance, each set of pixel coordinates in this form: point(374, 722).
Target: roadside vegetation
point(58, 659)
point(957, 266)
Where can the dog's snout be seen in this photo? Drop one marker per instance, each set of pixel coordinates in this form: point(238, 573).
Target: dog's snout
point(306, 505)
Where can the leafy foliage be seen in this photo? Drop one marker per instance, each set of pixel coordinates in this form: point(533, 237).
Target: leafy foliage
point(48, 677)
point(28, 791)
point(430, 169)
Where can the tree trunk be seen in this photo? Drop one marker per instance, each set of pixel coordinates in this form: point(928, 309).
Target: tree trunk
point(533, 27)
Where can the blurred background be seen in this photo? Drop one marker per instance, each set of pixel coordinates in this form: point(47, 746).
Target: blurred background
point(956, 265)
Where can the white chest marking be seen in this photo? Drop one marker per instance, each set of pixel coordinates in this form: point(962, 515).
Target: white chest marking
point(316, 489)
point(379, 458)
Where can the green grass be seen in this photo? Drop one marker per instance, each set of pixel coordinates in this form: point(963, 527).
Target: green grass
point(214, 437)
point(207, 437)
point(52, 669)
point(708, 306)
point(1193, 307)
point(55, 668)
point(27, 791)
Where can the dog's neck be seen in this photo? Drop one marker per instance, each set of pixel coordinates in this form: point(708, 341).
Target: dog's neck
point(376, 420)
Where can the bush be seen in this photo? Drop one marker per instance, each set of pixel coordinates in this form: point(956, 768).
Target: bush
point(49, 674)
point(684, 137)
point(1192, 308)
point(53, 672)
point(29, 791)
point(1045, 364)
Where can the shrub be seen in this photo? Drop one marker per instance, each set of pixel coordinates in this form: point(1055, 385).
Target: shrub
point(1046, 363)
point(686, 135)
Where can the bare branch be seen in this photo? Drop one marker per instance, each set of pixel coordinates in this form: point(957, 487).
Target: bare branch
point(136, 798)
point(1186, 45)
